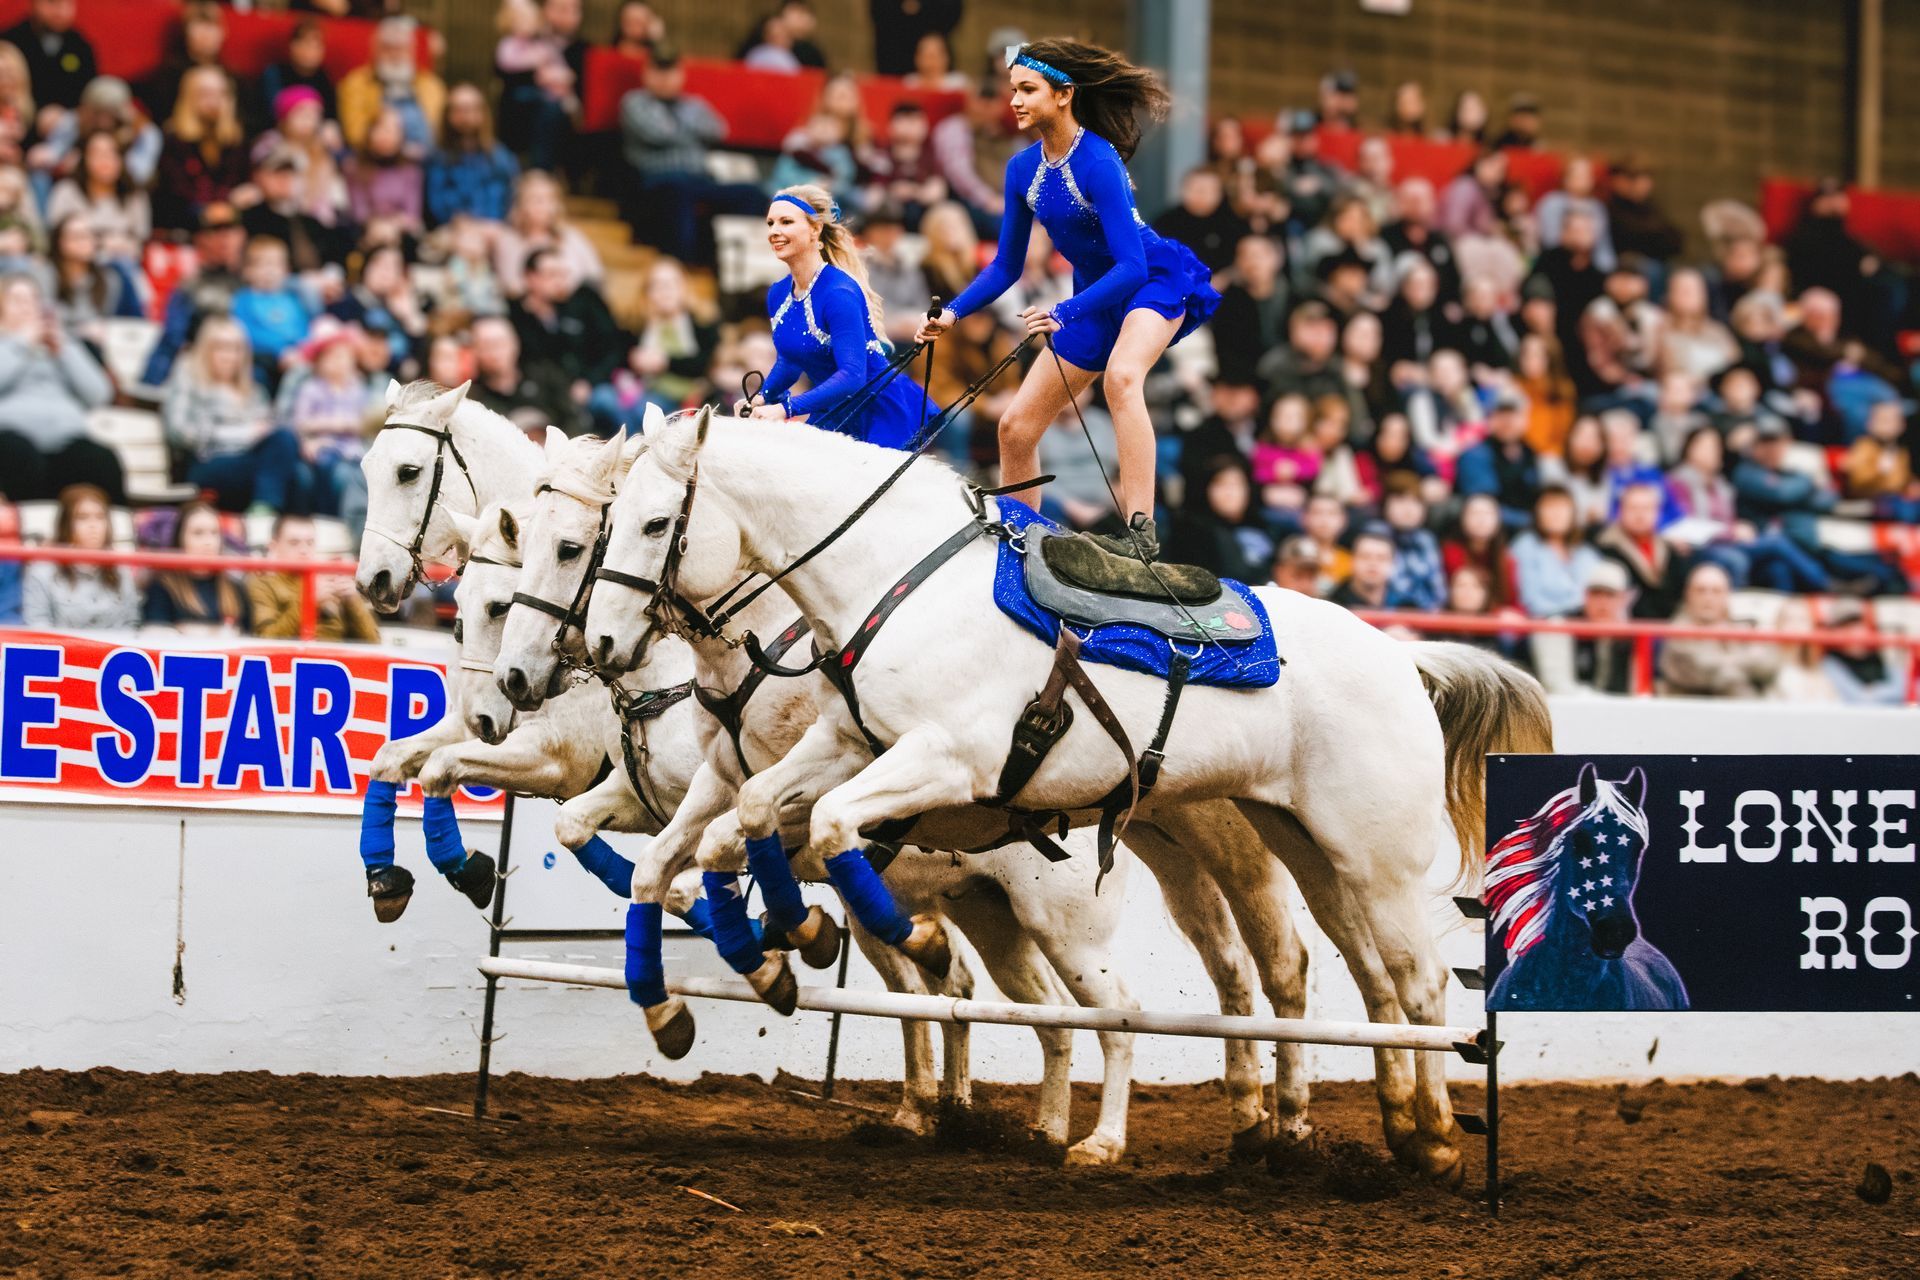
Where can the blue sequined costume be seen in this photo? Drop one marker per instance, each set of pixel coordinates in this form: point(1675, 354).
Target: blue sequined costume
point(1120, 264)
point(827, 334)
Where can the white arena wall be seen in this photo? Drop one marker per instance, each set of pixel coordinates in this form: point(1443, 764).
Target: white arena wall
point(169, 939)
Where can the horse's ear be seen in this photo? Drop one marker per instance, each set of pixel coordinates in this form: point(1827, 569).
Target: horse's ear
point(466, 527)
point(1634, 787)
point(678, 451)
point(393, 393)
point(700, 427)
point(556, 444)
point(607, 457)
point(442, 407)
point(651, 419)
point(509, 529)
point(1589, 784)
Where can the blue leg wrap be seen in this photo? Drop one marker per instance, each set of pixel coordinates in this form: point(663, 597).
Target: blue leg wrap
point(608, 867)
point(646, 971)
point(699, 918)
point(444, 848)
point(732, 934)
point(767, 859)
point(867, 897)
point(376, 824)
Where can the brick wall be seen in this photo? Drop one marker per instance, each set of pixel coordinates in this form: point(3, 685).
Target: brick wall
point(1717, 92)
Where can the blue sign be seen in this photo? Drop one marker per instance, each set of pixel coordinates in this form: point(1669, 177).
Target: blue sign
point(1725, 883)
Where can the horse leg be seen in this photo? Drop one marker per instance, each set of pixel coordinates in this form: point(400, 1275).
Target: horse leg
point(525, 762)
point(1344, 922)
point(920, 1093)
point(1020, 970)
point(918, 773)
point(1199, 910)
point(1260, 894)
point(1074, 928)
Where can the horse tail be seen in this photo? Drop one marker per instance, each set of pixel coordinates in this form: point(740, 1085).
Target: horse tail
point(1485, 705)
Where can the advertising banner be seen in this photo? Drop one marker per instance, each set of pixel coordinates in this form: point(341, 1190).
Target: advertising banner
point(1724, 883)
point(228, 723)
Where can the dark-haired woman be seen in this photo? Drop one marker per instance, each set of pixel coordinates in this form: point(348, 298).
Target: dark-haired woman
point(1135, 292)
point(86, 290)
point(198, 601)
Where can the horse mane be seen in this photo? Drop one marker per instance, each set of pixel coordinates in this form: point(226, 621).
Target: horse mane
point(1523, 870)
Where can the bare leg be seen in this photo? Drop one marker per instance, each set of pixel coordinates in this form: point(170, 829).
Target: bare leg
point(1040, 400)
point(1144, 336)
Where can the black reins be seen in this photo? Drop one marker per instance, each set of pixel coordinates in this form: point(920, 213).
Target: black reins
point(444, 446)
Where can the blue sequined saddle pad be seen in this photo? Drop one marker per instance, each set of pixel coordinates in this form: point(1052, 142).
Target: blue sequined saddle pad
point(1240, 651)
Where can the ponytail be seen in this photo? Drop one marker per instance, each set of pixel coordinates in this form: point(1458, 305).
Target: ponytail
point(836, 246)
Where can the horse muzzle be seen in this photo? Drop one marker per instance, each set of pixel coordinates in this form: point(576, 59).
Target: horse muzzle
point(1612, 935)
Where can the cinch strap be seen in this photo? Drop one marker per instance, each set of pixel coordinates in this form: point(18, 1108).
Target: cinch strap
point(732, 934)
point(731, 710)
point(376, 824)
point(767, 860)
point(646, 971)
point(868, 897)
point(606, 866)
point(444, 847)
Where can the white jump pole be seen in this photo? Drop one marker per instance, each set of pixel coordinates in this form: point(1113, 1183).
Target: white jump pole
point(890, 1004)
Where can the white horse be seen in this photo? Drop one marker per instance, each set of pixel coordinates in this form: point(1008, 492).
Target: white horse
point(1044, 938)
point(569, 518)
point(1353, 768)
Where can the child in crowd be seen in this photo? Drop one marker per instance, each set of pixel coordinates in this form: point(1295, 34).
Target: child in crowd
point(269, 306)
point(328, 413)
point(1285, 463)
point(469, 288)
point(1880, 467)
point(1419, 580)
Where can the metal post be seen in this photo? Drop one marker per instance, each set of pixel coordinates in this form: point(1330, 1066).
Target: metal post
point(483, 1077)
point(1867, 68)
point(833, 1035)
point(1643, 666)
point(1172, 37)
point(1493, 1113)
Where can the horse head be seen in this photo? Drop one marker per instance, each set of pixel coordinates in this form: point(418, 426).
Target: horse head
point(483, 597)
point(411, 470)
point(663, 535)
point(1599, 863)
point(560, 547)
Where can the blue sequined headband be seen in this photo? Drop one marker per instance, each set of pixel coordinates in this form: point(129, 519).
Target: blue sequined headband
point(832, 214)
point(1017, 56)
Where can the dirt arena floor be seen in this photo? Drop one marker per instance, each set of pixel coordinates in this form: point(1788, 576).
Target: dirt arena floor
point(106, 1173)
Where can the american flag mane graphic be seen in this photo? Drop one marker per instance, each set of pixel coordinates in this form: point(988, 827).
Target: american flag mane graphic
point(1524, 868)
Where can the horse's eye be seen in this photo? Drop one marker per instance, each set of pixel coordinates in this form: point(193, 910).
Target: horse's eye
point(459, 632)
point(498, 609)
point(655, 527)
point(408, 474)
point(570, 551)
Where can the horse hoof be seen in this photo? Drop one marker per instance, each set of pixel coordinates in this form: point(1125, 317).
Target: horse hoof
point(672, 1027)
point(823, 948)
point(391, 888)
point(1094, 1150)
point(475, 878)
point(775, 983)
point(1251, 1143)
point(927, 946)
point(916, 1120)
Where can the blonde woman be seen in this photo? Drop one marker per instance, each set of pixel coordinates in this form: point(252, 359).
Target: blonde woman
point(827, 325)
point(539, 221)
point(953, 249)
point(215, 410)
point(204, 155)
point(16, 105)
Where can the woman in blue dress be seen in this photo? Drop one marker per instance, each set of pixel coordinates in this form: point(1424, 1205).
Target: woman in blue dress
point(827, 325)
point(1135, 294)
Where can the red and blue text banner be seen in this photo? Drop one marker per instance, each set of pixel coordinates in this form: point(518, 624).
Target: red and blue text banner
point(235, 724)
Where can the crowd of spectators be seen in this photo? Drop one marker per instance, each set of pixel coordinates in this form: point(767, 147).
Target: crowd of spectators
point(1477, 396)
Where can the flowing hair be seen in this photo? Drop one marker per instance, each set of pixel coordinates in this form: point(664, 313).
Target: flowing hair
point(1109, 93)
point(836, 246)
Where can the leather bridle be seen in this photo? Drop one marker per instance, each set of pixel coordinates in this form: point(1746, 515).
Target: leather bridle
point(574, 613)
point(444, 445)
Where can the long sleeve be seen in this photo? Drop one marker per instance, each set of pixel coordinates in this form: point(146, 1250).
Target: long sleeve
point(36, 597)
point(276, 609)
point(1009, 258)
point(840, 313)
point(1104, 179)
point(785, 373)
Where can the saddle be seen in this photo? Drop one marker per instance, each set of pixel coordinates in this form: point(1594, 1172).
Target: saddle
point(1078, 583)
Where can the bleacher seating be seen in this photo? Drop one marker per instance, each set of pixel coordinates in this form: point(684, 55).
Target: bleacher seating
point(137, 436)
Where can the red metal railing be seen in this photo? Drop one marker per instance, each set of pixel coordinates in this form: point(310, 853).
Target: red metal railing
point(308, 570)
point(1647, 634)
